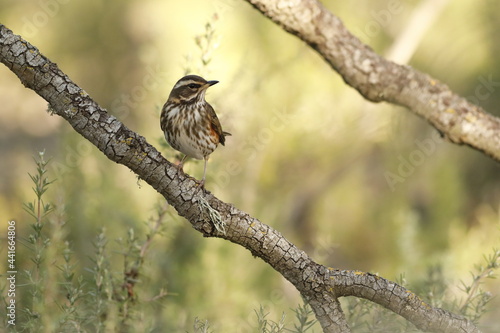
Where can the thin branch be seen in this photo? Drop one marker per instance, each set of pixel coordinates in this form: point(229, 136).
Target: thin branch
point(126, 147)
point(378, 79)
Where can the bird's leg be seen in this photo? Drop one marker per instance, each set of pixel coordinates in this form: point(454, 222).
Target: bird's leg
point(202, 183)
point(181, 165)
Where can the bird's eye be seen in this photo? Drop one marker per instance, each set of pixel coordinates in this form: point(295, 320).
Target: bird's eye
point(193, 85)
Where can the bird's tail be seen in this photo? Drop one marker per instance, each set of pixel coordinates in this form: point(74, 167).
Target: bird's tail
point(222, 138)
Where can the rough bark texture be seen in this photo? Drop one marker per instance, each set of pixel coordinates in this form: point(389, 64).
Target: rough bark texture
point(320, 286)
point(378, 79)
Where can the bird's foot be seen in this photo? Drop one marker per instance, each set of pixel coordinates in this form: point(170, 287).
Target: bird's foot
point(201, 184)
point(180, 168)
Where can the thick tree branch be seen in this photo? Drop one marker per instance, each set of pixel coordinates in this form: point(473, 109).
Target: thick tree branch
point(378, 79)
point(319, 285)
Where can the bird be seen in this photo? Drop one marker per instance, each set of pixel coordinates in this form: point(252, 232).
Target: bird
point(189, 123)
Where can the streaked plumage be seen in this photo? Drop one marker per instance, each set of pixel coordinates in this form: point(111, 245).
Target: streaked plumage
point(189, 123)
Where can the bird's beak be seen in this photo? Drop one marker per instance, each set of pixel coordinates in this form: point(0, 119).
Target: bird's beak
point(211, 83)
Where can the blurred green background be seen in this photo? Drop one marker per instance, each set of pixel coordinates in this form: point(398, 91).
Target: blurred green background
point(356, 185)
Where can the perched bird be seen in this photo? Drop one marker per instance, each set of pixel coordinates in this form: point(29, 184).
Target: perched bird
point(189, 123)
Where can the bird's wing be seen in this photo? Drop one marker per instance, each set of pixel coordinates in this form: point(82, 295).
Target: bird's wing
point(216, 126)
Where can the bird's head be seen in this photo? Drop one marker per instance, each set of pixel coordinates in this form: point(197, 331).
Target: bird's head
point(190, 89)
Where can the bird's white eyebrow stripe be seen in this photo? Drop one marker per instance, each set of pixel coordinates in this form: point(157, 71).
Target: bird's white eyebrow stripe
point(185, 83)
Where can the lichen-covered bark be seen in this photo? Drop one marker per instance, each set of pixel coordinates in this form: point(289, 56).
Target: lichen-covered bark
point(319, 285)
point(378, 79)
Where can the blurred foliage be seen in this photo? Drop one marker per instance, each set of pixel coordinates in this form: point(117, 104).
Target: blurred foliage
point(425, 203)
